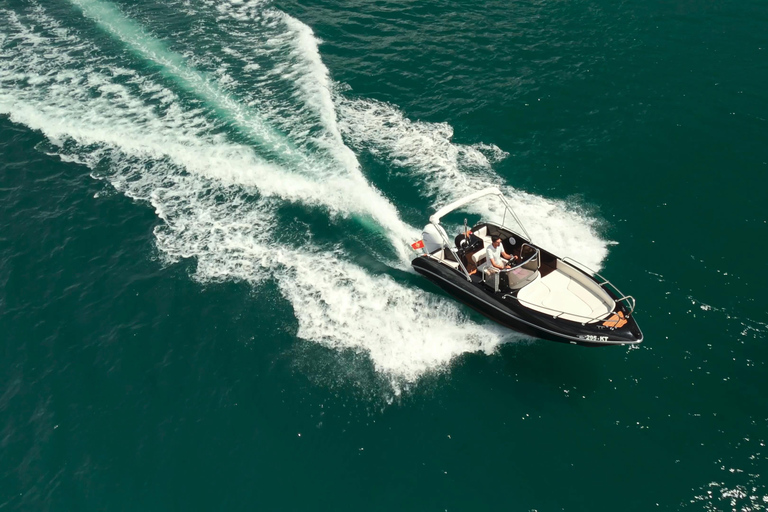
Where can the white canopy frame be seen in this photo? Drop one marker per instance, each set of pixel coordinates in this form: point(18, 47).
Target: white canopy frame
point(491, 191)
point(445, 210)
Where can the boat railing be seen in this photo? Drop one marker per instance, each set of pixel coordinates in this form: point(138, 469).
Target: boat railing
point(536, 254)
point(628, 300)
point(556, 313)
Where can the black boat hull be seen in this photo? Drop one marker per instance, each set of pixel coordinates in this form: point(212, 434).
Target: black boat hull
point(510, 313)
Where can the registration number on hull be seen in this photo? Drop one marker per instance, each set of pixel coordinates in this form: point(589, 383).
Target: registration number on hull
point(592, 337)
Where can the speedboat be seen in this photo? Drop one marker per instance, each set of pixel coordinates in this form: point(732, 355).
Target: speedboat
point(538, 293)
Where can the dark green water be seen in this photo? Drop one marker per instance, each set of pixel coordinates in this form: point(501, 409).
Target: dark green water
point(205, 301)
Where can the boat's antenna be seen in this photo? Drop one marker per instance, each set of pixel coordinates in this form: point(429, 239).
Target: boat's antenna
point(466, 231)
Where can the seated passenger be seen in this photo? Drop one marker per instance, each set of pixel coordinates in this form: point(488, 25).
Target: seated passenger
point(495, 257)
point(467, 240)
point(467, 244)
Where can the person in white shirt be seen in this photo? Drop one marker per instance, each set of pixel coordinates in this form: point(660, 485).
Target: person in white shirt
point(495, 257)
point(496, 260)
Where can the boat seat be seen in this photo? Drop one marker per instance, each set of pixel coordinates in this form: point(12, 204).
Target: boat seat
point(482, 233)
point(445, 256)
point(479, 257)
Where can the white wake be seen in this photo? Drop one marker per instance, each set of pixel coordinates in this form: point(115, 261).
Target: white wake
point(448, 171)
point(218, 197)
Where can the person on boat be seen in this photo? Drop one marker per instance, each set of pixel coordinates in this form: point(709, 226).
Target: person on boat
point(468, 243)
point(495, 257)
point(466, 239)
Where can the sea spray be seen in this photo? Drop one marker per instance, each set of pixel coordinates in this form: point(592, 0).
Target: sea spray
point(359, 196)
point(174, 66)
point(426, 153)
point(217, 202)
point(217, 199)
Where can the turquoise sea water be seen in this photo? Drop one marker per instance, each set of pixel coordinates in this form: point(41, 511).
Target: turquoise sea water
point(205, 295)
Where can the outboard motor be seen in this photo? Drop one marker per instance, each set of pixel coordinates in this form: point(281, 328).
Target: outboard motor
point(432, 238)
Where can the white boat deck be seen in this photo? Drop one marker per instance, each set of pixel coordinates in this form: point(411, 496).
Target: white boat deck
point(558, 292)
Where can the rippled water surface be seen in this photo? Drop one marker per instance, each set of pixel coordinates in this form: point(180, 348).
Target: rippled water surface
point(206, 300)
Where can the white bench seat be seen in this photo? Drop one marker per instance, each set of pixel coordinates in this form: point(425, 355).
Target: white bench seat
point(479, 257)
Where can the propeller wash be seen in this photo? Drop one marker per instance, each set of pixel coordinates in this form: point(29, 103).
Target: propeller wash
point(231, 122)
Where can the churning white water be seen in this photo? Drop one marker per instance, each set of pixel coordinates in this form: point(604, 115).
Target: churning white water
point(217, 146)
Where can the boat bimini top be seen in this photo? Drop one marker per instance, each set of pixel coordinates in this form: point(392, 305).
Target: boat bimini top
point(435, 237)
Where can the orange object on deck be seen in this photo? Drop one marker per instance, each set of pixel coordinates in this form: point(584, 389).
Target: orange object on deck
point(617, 320)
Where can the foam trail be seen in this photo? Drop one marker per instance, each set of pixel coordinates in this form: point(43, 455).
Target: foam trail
point(130, 33)
point(317, 86)
point(358, 196)
point(309, 73)
point(218, 199)
point(335, 303)
point(415, 333)
point(449, 171)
